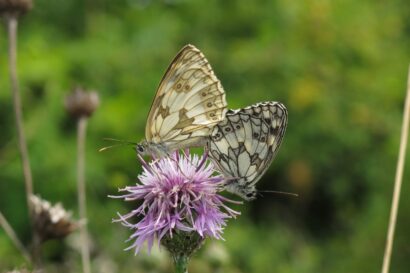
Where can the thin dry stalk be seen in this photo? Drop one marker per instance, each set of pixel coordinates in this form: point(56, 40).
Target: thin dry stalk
point(13, 237)
point(398, 181)
point(81, 133)
point(12, 23)
point(12, 32)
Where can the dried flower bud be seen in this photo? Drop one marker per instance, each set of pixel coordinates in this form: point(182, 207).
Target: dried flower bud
point(81, 103)
point(51, 222)
point(15, 7)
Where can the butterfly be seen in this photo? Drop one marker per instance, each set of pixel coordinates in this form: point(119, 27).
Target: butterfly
point(244, 144)
point(189, 102)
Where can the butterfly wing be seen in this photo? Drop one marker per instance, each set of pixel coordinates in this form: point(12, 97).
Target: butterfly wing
point(189, 101)
point(244, 144)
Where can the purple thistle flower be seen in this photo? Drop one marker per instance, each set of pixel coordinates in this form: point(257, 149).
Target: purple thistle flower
point(179, 193)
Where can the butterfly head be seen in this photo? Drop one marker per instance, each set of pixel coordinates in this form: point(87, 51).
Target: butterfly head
point(156, 150)
point(248, 193)
point(142, 148)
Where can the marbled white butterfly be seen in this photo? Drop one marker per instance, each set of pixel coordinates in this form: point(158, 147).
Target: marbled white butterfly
point(189, 102)
point(244, 144)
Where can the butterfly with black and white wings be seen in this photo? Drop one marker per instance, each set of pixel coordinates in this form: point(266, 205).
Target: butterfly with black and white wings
point(189, 102)
point(245, 143)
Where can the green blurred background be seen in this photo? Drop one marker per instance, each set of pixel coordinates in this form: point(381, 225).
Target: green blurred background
point(339, 66)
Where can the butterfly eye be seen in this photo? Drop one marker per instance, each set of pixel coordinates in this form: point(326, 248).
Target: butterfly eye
point(250, 195)
point(140, 149)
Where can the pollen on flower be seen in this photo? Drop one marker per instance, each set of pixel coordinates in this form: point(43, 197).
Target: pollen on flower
point(179, 193)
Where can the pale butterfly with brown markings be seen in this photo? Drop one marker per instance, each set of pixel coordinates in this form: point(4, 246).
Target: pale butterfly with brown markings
point(189, 102)
point(245, 143)
point(189, 109)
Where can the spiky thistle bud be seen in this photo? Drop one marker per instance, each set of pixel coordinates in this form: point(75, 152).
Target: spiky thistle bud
point(82, 103)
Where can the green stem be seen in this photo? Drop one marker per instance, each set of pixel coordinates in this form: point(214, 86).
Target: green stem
point(181, 263)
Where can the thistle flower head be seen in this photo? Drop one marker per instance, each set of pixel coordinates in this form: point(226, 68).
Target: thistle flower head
point(179, 198)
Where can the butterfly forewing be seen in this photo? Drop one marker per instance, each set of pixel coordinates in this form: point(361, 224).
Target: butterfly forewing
point(244, 144)
point(189, 101)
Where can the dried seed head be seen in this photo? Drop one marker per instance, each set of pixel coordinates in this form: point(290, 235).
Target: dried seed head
point(15, 7)
point(81, 103)
point(51, 222)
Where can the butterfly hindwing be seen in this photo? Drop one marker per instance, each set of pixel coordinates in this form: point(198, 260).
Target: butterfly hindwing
point(189, 101)
point(244, 144)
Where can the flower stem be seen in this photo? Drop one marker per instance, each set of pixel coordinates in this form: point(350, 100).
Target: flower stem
point(12, 235)
point(12, 32)
point(12, 23)
point(398, 180)
point(81, 133)
point(181, 263)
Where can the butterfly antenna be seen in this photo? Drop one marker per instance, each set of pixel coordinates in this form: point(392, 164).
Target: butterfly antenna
point(121, 143)
point(282, 192)
point(110, 147)
point(120, 140)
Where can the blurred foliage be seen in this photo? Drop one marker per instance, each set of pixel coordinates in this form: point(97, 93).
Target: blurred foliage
point(339, 66)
